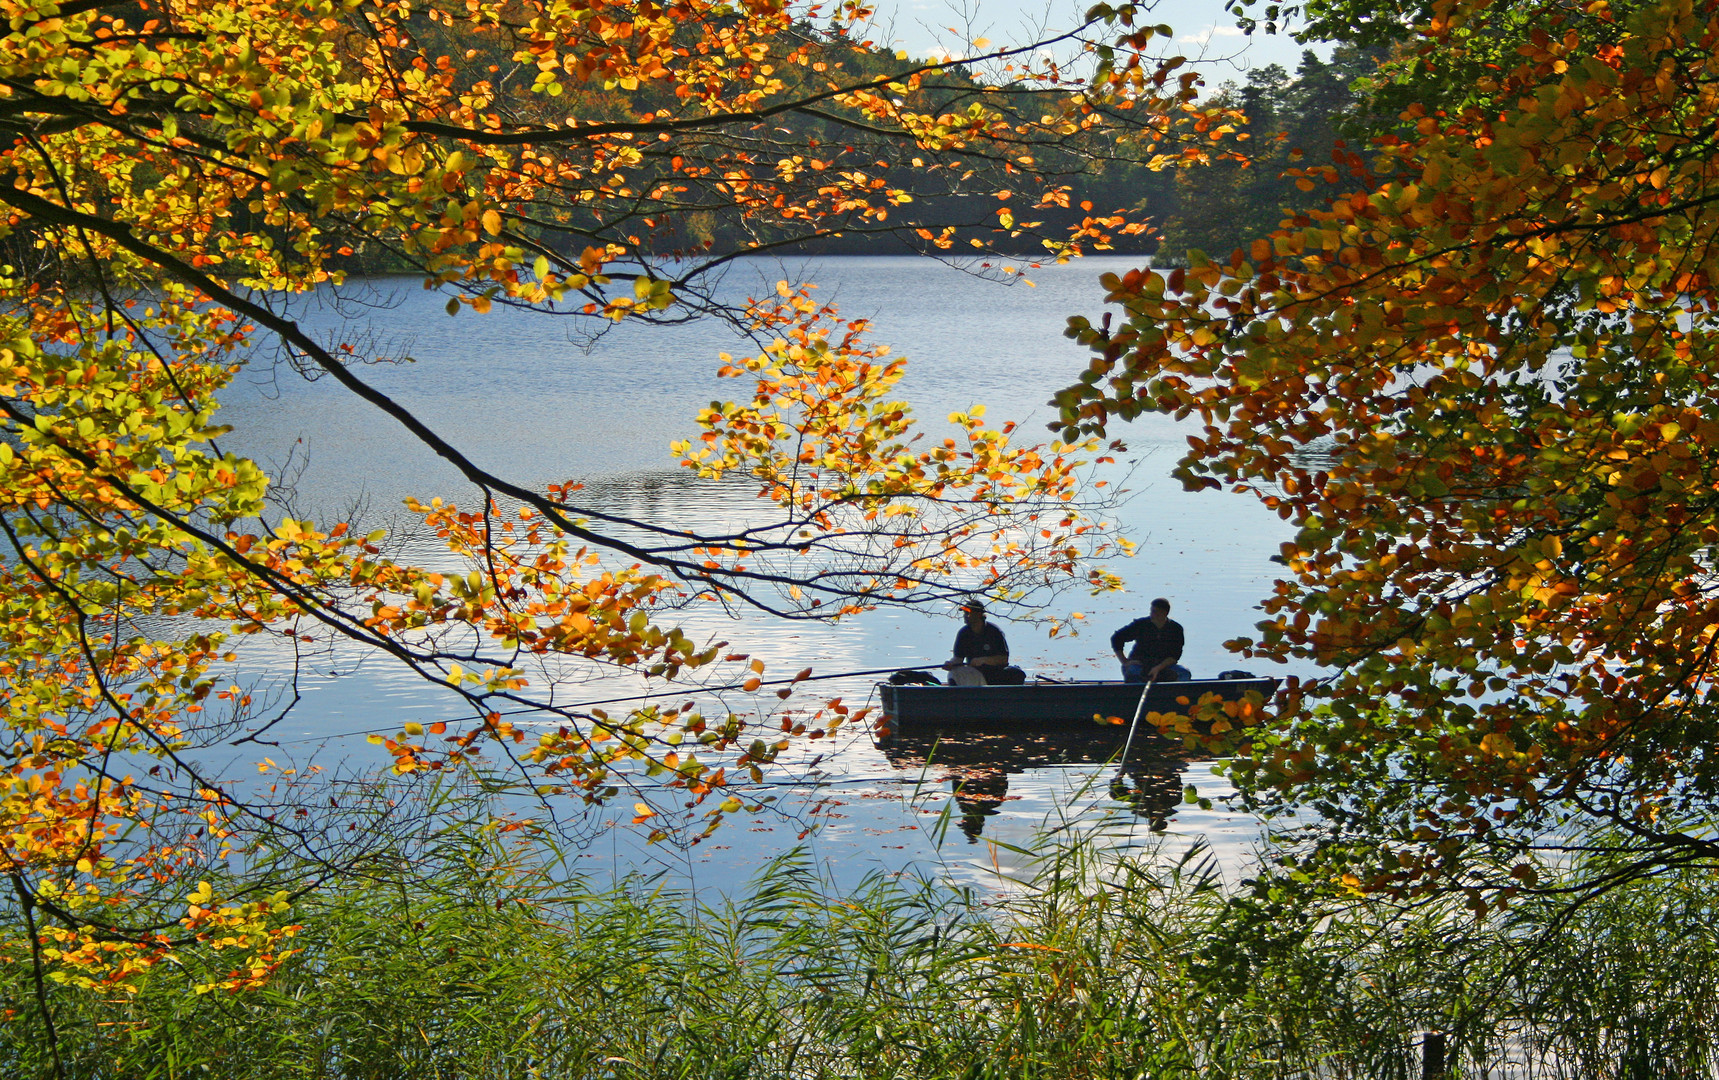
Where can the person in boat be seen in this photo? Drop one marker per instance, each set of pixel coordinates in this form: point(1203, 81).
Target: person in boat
point(1157, 642)
point(981, 651)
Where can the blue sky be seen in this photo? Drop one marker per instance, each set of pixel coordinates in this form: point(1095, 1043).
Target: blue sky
point(1203, 29)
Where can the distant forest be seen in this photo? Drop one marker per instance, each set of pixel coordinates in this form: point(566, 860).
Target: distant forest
point(1295, 123)
point(1101, 176)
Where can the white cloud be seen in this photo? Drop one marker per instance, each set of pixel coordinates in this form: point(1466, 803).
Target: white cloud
point(1210, 32)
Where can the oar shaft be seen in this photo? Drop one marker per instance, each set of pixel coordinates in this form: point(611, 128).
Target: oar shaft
point(1139, 709)
point(688, 690)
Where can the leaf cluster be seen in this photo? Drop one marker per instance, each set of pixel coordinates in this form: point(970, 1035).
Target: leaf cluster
point(181, 169)
point(1480, 389)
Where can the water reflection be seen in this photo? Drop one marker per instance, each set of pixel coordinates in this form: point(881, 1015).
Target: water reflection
point(1151, 789)
point(977, 768)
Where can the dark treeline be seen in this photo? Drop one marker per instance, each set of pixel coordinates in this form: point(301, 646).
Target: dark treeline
point(1296, 122)
point(1090, 173)
point(1312, 120)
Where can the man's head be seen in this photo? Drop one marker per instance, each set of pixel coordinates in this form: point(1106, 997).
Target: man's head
point(974, 613)
point(1160, 611)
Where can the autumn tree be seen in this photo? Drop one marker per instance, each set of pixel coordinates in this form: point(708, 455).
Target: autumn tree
point(1290, 122)
point(177, 169)
point(1482, 389)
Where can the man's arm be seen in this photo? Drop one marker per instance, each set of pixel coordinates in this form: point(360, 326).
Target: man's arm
point(955, 660)
point(1121, 638)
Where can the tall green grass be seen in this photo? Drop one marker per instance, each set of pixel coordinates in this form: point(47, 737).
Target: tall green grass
point(465, 957)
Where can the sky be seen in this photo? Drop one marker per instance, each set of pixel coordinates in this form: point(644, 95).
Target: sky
point(1203, 29)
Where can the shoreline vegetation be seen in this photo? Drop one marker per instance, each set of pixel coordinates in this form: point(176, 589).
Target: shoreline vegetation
point(463, 954)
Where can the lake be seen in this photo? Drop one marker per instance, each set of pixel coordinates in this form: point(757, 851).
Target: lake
point(527, 395)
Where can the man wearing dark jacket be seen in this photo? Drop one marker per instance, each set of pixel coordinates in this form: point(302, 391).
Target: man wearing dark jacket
point(981, 652)
point(1157, 647)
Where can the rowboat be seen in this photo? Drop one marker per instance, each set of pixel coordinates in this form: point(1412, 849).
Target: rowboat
point(1044, 706)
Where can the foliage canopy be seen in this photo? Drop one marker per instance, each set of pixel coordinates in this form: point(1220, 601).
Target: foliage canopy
point(1482, 389)
point(179, 168)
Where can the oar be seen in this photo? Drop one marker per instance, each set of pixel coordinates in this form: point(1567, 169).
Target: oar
point(687, 691)
point(1138, 710)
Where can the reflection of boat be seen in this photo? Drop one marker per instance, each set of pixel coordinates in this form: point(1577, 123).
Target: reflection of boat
point(910, 710)
point(977, 766)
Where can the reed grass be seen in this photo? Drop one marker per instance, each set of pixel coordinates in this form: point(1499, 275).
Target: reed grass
point(467, 957)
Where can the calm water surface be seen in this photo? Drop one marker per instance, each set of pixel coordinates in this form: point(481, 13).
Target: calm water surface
point(524, 394)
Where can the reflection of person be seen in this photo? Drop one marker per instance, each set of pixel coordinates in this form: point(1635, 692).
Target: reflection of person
point(1155, 793)
point(981, 652)
point(979, 793)
point(1157, 646)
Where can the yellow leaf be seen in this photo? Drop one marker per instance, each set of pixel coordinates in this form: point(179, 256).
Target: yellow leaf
point(1498, 743)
